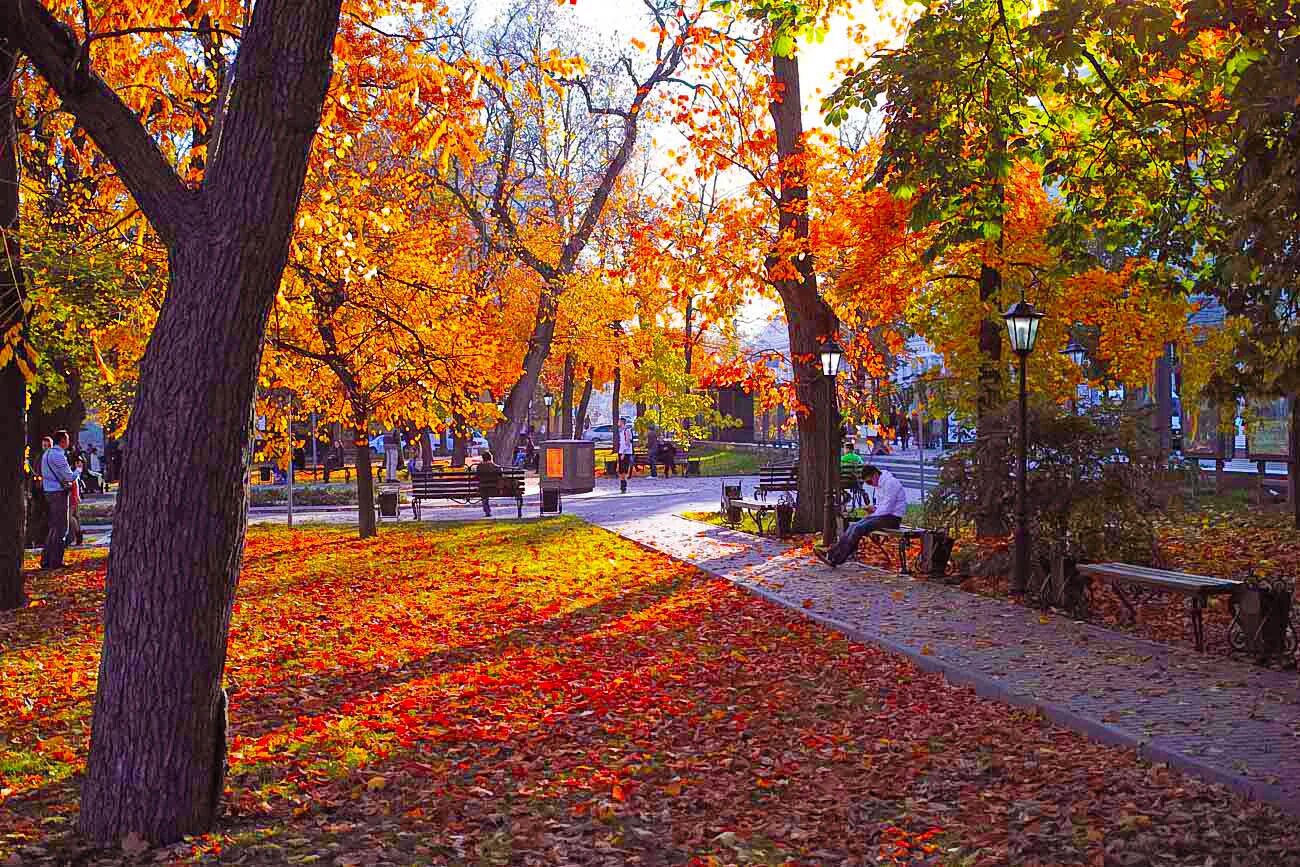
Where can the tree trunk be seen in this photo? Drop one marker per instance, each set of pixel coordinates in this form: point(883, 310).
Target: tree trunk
point(1293, 468)
point(580, 418)
point(520, 399)
point(616, 401)
point(989, 521)
point(157, 753)
point(365, 484)
point(426, 449)
point(566, 397)
point(688, 347)
point(459, 447)
point(13, 386)
point(809, 320)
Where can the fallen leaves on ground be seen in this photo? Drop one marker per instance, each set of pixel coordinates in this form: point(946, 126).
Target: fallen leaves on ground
point(547, 693)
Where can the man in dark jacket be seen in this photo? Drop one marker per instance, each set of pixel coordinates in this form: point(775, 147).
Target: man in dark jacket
point(489, 480)
point(652, 448)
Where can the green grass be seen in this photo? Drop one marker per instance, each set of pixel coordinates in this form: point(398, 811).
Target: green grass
point(715, 461)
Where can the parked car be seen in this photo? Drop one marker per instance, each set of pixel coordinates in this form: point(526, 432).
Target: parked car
point(604, 433)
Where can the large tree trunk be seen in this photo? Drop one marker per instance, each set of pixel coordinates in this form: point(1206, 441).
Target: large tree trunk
point(566, 397)
point(989, 521)
point(809, 320)
point(13, 386)
point(157, 752)
point(616, 401)
point(1293, 468)
point(365, 484)
point(580, 418)
point(520, 399)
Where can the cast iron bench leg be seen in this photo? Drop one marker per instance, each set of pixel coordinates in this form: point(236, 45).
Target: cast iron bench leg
point(902, 556)
point(1198, 626)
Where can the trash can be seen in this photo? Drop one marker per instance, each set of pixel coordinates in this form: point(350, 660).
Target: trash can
point(1262, 625)
point(264, 473)
point(568, 466)
point(732, 513)
point(388, 502)
point(551, 503)
point(693, 467)
point(784, 520)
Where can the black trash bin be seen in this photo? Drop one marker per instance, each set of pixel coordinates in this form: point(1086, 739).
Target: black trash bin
point(388, 504)
point(1262, 625)
point(264, 473)
point(784, 520)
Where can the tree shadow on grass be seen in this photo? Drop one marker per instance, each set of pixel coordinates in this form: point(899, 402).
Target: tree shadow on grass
point(343, 688)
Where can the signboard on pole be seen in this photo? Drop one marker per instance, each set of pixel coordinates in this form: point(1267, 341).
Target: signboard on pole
point(1268, 431)
point(1201, 434)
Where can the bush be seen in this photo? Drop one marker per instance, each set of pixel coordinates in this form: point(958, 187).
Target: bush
point(1094, 483)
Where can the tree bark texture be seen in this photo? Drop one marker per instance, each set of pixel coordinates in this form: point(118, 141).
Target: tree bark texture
point(989, 521)
point(616, 401)
point(366, 527)
point(1293, 468)
point(566, 400)
point(809, 320)
point(13, 386)
point(157, 752)
point(519, 400)
point(584, 404)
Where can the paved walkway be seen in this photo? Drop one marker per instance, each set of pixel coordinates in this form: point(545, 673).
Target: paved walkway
point(1221, 719)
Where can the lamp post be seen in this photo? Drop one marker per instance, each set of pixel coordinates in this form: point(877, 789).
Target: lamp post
point(831, 356)
point(1077, 353)
point(548, 399)
point(1022, 327)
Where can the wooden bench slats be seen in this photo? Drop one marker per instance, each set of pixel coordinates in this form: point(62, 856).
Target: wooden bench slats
point(466, 485)
point(1160, 577)
point(1199, 587)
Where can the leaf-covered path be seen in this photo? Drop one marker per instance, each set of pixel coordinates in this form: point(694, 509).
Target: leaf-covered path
point(1223, 719)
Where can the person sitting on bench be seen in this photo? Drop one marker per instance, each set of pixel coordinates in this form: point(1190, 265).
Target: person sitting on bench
point(891, 506)
point(489, 480)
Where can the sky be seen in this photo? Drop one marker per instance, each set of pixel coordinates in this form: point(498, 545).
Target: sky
point(617, 22)
point(614, 23)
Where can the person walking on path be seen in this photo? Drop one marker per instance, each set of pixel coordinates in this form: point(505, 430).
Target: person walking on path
point(625, 454)
point(652, 449)
point(56, 480)
point(891, 506)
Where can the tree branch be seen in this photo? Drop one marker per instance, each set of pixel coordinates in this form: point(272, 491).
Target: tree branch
point(53, 49)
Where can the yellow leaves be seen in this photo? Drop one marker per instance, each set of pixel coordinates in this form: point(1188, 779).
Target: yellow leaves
point(376, 784)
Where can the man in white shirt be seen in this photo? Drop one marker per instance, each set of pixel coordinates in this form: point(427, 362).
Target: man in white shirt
point(887, 514)
point(57, 478)
point(625, 453)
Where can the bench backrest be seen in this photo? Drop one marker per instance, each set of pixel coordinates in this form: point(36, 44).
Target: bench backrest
point(773, 477)
point(457, 484)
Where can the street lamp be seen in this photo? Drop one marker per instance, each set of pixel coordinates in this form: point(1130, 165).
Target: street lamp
point(831, 356)
point(1022, 327)
point(1077, 353)
point(548, 399)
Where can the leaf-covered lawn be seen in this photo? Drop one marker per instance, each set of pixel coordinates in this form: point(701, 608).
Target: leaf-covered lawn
point(547, 693)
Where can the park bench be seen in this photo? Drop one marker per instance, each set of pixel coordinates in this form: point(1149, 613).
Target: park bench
point(1124, 579)
point(463, 486)
point(904, 535)
point(685, 464)
point(776, 478)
